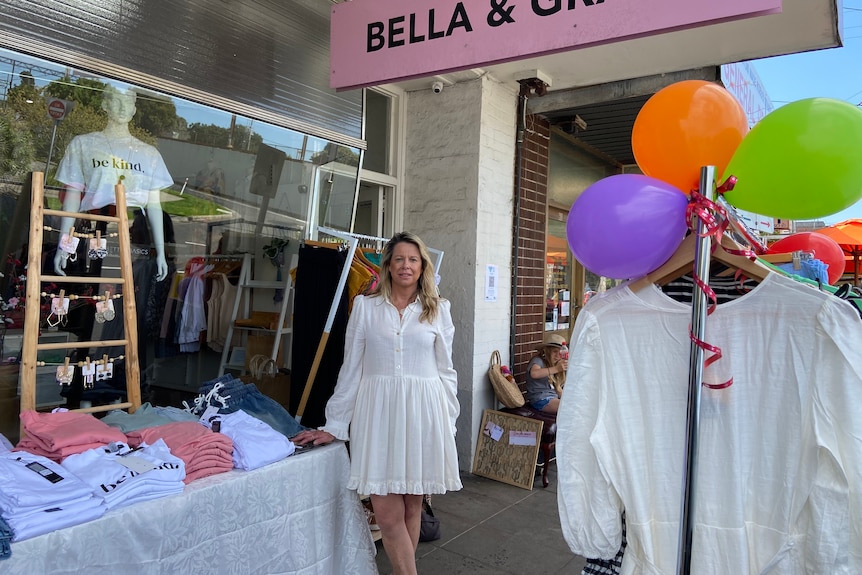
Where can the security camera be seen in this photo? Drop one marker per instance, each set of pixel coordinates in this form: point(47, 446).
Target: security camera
point(580, 122)
point(437, 87)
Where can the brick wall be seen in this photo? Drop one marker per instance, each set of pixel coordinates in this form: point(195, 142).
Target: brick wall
point(531, 221)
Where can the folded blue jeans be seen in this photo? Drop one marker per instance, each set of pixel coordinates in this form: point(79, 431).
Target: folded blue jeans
point(227, 380)
point(5, 540)
point(252, 401)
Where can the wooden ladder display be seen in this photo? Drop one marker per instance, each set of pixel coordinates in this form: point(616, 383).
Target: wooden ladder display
point(31, 345)
point(283, 325)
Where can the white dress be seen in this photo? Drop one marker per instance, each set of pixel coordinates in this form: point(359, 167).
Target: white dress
point(397, 395)
point(779, 462)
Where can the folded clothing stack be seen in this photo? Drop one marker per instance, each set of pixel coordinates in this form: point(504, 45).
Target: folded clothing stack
point(122, 475)
point(228, 394)
point(58, 435)
point(145, 416)
point(255, 443)
point(38, 496)
point(204, 452)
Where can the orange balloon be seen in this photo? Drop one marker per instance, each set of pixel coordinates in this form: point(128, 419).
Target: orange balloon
point(686, 126)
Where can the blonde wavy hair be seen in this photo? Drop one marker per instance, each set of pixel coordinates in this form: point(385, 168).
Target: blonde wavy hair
point(427, 285)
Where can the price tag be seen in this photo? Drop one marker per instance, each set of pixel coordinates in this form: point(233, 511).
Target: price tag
point(65, 374)
point(69, 244)
point(210, 412)
point(135, 463)
point(60, 307)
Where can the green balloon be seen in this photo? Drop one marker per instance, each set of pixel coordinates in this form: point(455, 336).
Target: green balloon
point(801, 161)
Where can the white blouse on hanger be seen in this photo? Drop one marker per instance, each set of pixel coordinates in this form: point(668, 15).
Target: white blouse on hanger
point(779, 466)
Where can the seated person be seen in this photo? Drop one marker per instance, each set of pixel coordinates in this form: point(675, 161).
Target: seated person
point(546, 374)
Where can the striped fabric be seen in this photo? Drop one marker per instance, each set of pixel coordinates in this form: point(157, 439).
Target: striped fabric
point(726, 287)
point(607, 566)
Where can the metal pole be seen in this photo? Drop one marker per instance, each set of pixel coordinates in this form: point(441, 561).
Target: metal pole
point(695, 379)
point(51, 148)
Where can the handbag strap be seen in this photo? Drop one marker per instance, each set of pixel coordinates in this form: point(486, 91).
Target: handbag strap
point(495, 358)
point(426, 505)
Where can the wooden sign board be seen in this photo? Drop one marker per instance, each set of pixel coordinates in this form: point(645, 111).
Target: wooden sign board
point(507, 448)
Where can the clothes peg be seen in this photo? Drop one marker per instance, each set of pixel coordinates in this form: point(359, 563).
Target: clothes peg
point(65, 372)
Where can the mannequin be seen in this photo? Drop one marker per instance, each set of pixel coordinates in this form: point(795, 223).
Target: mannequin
point(94, 163)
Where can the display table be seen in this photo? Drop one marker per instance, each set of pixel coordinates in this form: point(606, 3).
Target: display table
point(294, 516)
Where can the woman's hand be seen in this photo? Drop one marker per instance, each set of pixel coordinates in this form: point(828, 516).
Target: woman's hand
point(563, 365)
point(313, 436)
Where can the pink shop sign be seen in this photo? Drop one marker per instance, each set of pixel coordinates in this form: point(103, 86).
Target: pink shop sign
point(379, 41)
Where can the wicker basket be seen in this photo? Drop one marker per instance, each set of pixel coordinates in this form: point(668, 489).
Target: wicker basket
point(507, 391)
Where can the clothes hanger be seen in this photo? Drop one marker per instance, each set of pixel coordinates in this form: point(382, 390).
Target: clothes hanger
point(376, 249)
point(682, 261)
point(225, 267)
point(360, 255)
point(330, 245)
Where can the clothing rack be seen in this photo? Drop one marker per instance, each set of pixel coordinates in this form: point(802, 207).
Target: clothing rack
point(702, 260)
point(352, 242)
point(215, 258)
point(438, 260)
point(222, 223)
point(703, 249)
point(253, 228)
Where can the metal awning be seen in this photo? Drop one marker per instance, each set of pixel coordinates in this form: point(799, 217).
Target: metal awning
point(606, 85)
point(602, 117)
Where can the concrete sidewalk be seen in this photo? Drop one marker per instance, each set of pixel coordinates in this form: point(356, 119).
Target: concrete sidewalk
point(492, 528)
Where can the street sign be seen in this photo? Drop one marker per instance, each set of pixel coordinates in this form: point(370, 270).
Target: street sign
point(57, 108)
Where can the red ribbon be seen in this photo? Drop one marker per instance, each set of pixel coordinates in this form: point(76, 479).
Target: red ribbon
point(714, 219)
point(728, 185)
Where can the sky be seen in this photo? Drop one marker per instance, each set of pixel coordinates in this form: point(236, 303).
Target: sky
point(831, 73)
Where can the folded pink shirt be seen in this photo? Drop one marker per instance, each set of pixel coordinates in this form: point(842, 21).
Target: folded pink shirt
point(204, 452)
point(57, 435)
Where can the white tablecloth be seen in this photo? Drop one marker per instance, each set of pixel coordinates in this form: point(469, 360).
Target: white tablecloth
point(294, 516)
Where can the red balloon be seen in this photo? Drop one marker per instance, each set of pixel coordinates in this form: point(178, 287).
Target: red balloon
point(825, 249)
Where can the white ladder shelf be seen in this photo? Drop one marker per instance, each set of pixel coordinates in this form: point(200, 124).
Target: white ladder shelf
point(244, 291)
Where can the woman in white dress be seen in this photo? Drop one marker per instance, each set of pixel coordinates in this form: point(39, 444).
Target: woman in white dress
point(396, 397)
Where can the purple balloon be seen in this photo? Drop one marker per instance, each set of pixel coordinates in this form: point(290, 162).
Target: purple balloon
point(626, 225)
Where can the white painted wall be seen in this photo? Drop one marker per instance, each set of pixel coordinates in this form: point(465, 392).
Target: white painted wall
point(458, 197)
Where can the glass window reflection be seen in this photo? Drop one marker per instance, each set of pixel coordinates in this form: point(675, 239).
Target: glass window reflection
point(236, 185)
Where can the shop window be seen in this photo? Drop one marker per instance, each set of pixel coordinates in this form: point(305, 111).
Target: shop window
point(558, 274)
point(378, 127)
point(378, 204)
point(568, 286)
point(227, 184)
